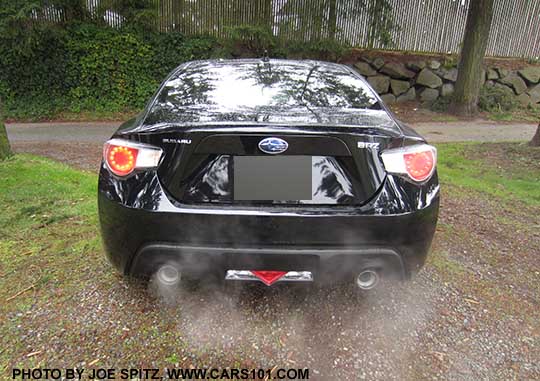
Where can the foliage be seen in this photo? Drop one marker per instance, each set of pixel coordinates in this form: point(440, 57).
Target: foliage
point(72, 9)
point(87, 67)
point(110, 64)
point(139, 15)
point(450, 62)
point(81, 64)
point(441, 104)
point(326, 49)
point(497, 99)
point(254, 39)
point(382, 23)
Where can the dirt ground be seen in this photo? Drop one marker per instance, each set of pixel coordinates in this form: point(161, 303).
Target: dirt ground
point(85, 156)
point(472, 313)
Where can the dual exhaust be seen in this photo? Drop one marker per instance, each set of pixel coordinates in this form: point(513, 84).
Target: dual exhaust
point(169, 275)
point(367, 279)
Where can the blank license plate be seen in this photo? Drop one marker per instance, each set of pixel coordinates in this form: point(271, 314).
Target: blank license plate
point(272, 178)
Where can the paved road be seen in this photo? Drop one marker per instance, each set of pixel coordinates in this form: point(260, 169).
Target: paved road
point(434, 132)
point(61, 132)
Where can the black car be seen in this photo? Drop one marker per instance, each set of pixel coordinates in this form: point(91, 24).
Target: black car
point(267, 170)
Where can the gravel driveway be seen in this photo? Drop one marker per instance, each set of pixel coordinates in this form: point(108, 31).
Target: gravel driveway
point(471, 314)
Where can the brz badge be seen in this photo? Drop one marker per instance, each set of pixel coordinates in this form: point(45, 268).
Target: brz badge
point(368, 145)
point(273, 146)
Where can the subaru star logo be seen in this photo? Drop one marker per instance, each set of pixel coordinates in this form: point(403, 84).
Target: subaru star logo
point(273, 145)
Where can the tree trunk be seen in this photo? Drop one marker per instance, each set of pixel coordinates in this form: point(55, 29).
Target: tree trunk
point(5, 149)
point(332, 20)
point(469, 81)
point(535, 142)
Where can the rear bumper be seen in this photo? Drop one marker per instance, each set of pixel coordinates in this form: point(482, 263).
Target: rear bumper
point(326, 265)
point(330, 242)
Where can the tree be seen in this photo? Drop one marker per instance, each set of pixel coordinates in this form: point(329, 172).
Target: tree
point(535, 142)
point(5, 149)
point(469, 81)
point(381, 23)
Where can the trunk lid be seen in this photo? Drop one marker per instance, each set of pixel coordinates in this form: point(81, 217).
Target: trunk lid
point(344, 167)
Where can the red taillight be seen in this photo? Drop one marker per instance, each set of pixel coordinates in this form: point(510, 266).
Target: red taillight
point(122, 157)
point(121, 160)
point(419, 164)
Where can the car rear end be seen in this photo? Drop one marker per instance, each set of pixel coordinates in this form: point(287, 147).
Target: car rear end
point(294, 193)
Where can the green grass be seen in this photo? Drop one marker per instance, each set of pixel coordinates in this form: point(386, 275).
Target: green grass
point(47, 234)
point(510, 172)
point(521, 114)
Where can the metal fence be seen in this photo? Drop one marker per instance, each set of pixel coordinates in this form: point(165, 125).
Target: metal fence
point(422, 25)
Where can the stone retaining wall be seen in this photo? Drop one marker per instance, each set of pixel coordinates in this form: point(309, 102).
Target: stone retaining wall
point(428, 80)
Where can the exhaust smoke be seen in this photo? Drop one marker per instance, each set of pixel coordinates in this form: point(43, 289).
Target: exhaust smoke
point(165, 283)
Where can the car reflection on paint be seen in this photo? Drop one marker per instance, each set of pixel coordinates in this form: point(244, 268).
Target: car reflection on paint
point(271, 171)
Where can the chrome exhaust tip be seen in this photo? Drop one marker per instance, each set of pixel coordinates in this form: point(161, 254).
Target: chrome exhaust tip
point(367, 279)
point(168, 275)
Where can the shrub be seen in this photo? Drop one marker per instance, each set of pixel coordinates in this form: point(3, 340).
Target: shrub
point(88, 67)
point(171, 49)
point(441, 104)
point(33, 71)
point(497, 99)
point(251, 39)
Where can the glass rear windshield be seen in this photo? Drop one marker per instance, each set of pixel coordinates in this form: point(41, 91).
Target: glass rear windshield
point(262, 85)
point(267, 92)
point(251, 85)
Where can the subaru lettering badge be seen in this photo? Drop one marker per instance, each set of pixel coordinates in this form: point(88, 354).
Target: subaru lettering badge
point(273, 145)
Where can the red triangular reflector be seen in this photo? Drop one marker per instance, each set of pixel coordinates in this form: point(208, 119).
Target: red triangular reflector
point(269, 277)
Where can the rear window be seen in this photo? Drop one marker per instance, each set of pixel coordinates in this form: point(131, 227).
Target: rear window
point(278, 92)
point(251, 85)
